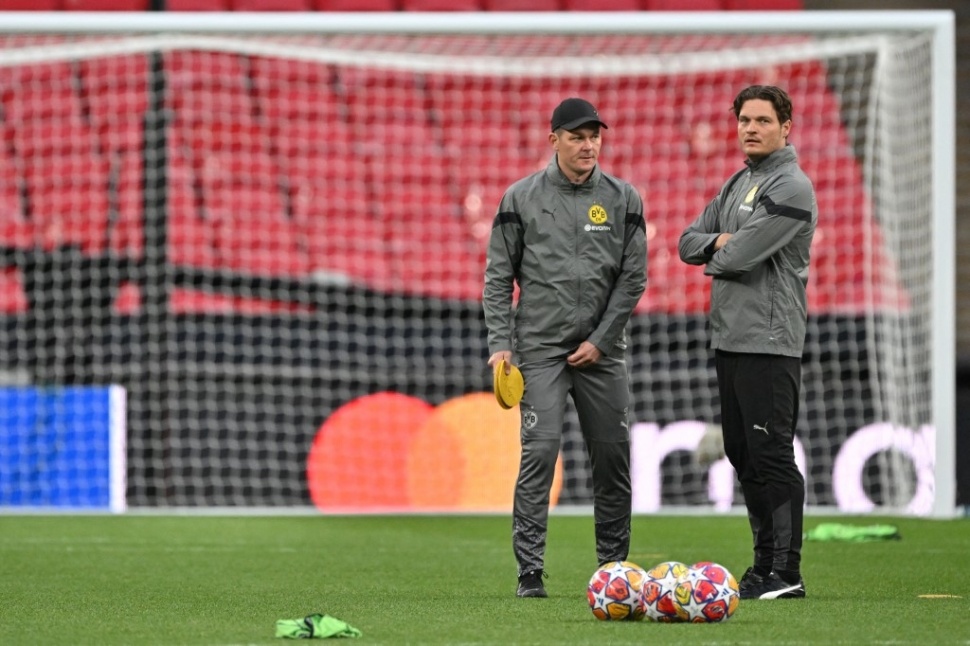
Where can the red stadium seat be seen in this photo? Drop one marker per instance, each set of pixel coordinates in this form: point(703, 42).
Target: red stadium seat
point(388, 109)
point(326, 175)
point(197, 5)
point(121, 136)
point(208, 85)
point(229, 167)
point(288, 90)
point(189, 239)
point(15, 229)
point(39, 91)
point(357, 5)
point(251, 232)
point(373, 95)
point(673, 286)
point(76, 185)
point(330, 222)
point(683, 5)
point(442, 5)
point(396, 168)
point(241, 143)
point(243, 205)
point(601, 5)
point(67, 182)
point(121, 142)
point(13, 300)
point(267, 71)
point(764, 5)
point(296, 138)
point(300, 104)
point(106, 5)
point(431, 245)
point(460, 102)
point(30, 103)
point(307, 155)
point(30, 5)
point(829, 171)
point(114, 88)
point(271, 5)
point(125, 234)
point(70, 211)
point(522, 5)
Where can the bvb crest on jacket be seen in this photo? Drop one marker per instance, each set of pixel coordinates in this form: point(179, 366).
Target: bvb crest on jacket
point(598, 216)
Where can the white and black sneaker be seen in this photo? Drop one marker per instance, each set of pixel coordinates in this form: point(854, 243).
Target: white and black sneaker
point(773, 587)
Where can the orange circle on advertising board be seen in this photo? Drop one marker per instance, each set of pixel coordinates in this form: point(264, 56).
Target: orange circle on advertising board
point(359, 456)
point(391, 452)
point(466, 457)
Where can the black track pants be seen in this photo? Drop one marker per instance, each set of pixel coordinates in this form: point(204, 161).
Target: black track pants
point(759, 410)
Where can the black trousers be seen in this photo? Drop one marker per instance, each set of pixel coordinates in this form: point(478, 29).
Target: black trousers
point(759, 410)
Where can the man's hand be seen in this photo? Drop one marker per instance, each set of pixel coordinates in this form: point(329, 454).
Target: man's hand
point(722, 240)
point(499, 356)
point(585, 355)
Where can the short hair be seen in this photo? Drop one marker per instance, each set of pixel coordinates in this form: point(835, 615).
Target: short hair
point(774, 95)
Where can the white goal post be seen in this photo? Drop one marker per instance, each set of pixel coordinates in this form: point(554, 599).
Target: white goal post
point(268, 228)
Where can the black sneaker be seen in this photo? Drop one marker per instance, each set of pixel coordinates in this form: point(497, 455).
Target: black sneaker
point(530, 584)
point(773, 587)
point(749, 579)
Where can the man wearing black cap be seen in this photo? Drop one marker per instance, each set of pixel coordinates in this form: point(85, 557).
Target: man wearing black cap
point(573, 238)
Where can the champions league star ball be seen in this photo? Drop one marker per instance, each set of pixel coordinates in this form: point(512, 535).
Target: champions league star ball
point(708, 594)
point(614, 592)
point(659, 600)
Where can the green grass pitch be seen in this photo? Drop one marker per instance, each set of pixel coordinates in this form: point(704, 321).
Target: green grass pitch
point(191, 579)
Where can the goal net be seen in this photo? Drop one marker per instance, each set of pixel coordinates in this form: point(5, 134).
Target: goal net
point(271, 233)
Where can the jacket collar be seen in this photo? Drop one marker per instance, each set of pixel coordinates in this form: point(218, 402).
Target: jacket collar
point(776, 159)
point(558, 179)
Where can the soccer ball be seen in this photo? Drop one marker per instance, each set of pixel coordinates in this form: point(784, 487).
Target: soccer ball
point(614, 592)
point(708, 594)
point(658, 592)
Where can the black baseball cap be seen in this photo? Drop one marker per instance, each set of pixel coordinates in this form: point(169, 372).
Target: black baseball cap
point(573, 113)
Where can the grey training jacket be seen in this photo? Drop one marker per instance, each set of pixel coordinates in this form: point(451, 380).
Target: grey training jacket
point(758, 300)
point(579, 256)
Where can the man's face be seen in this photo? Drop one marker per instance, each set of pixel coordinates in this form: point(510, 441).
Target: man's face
point(577, 149)
point(759, 131)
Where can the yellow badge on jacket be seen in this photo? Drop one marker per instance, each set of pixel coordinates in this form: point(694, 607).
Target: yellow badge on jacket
point(597, 214)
